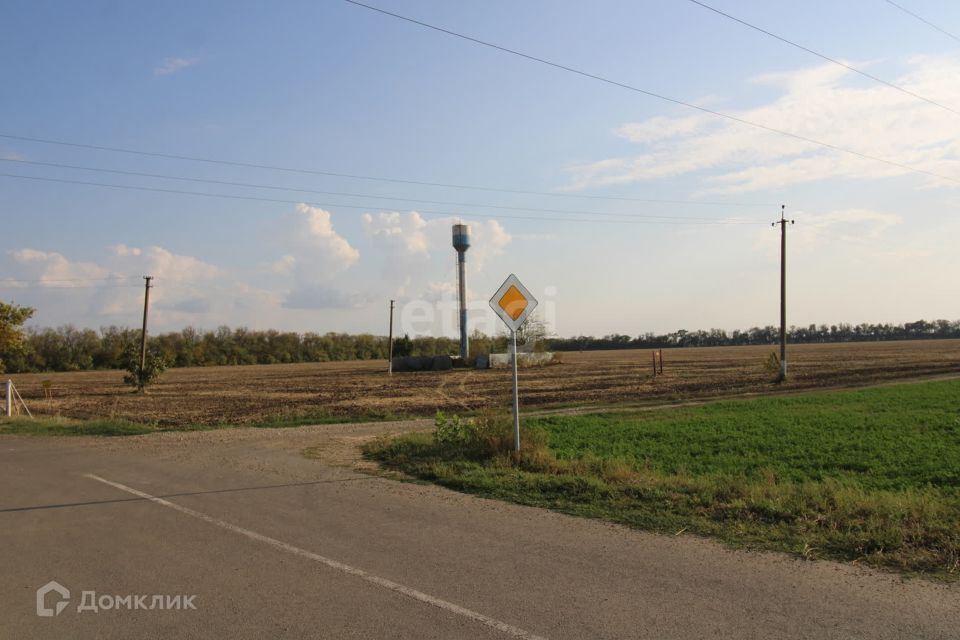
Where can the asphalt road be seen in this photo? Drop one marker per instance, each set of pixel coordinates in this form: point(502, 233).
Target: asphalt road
point(272, 545)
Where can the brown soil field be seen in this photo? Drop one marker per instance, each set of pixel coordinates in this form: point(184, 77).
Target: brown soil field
point(244, 394)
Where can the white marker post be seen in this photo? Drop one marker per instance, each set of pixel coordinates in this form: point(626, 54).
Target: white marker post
point(514, 304)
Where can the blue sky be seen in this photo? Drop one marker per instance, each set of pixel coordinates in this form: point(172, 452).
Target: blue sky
point(332, 87)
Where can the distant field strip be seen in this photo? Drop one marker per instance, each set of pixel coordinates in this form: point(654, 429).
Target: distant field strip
point(285, 394)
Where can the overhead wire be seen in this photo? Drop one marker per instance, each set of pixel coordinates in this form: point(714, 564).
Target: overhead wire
point(924, 20)
point(109, 282)
point(659, 96)
point(427, 213)
point(364, 195)
point(106, 279)
point(352, 176)
point(6, 284)
point(825, 57)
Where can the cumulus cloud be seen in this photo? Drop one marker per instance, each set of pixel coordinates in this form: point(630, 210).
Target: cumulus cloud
point(415, 249)
point(283, 266)
point(110, 289)
point(404, 235)
point(490, 239)
point(825, 103)
point(311, 235)
point(316, 256)
point(123, 250)
point(170, 66)
point(51, 269)
point(410, 237)
point(162, 264)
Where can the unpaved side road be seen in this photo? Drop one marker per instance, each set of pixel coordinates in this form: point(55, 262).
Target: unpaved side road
point(274, 544)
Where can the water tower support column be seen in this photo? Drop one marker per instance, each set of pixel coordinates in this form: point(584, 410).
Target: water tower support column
point(461, 242)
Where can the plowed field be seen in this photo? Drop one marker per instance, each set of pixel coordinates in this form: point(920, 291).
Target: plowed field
point(214, 395)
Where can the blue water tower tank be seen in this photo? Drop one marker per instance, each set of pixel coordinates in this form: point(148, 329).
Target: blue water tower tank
point(461, 237)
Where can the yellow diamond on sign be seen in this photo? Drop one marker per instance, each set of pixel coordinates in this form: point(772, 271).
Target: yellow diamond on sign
point(513, 302)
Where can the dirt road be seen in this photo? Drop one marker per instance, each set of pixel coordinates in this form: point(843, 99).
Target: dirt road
point(274, 544)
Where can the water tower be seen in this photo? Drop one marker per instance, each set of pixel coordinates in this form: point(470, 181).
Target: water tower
point(461, 242)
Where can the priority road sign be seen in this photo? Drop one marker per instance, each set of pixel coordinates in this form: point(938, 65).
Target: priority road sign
point(513, 303)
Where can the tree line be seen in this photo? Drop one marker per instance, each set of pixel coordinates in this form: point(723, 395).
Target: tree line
point(71, 349)
point(919, 330)
point(68, 348)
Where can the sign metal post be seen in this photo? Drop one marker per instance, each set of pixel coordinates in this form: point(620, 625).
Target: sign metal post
point(513, 303)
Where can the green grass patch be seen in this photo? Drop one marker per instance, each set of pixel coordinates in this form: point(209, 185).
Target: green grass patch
point(891, 438)
point(70, 427)
point(309, 418)
point(61, 426)
point(869, 475)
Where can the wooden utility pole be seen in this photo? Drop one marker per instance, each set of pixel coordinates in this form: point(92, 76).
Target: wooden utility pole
point(390, 347)
point(143, 334)
point(783, 292)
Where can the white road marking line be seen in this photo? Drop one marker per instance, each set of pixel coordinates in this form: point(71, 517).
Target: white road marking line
point(503, 627)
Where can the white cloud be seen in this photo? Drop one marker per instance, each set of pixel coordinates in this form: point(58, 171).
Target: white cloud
point(50, 269)
point(110, 290)
point(662, 127)
point(403, 234)
point(825, 103)
point(169, 66)
point(489, 239)
point(414, 250)
point(316, 256)
point(283, 266)
point(162, 264)
point(123, 250)
point(411, 238)
point(310, 232)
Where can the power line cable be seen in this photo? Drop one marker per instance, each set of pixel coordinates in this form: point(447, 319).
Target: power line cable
point(824, 57)
point(659, 96)
point(351, 176)
point(424, 212)
point(924, 20)
point(107, 279)
point(357, 195)
point(4, 285)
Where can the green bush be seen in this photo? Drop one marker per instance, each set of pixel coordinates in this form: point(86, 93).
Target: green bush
point(141, 378)
point(486, 436)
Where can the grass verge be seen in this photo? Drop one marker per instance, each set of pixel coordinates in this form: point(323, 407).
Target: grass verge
point(308, 418)
point(70, 427)
point(62, 426)
point(871, 476)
